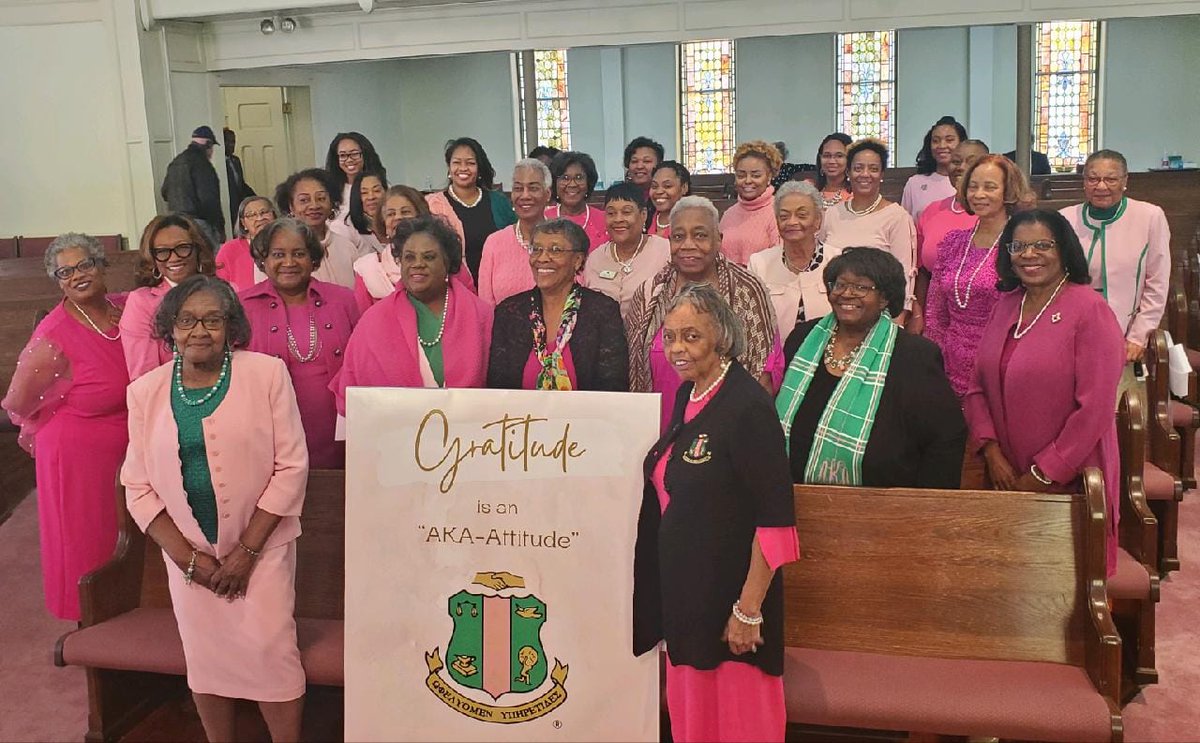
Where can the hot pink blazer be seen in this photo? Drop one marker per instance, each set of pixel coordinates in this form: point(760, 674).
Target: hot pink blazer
point(256, 453)
point(143, 352)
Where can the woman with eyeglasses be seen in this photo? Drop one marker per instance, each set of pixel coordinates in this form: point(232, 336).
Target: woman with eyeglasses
point(864, 403)
point(215, 475)
point(1040, 402)
point(172, 248)
point(558, 335)
point(68, 396)
point(234, 262)
point(574, 180)
point(349, 155)
point(307, 323)
point(504, 267)
point(1128, 247)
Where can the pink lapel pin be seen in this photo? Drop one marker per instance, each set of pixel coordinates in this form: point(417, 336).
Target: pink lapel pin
point(1056, 317)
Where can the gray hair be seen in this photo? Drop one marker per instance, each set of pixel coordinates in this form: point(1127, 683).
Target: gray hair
point(238, 229)
point(580, 243)
point(237, 325)
point(260, 246)
point(697, 202)
point(87, 243)
point(532, 163)
point(706, 300)
point(804, 188)
point(1113, 155)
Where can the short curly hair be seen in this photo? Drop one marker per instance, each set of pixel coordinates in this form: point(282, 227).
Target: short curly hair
point(880, 266)
point(237, 326)
point(867, 144)
point(761, 149)
point(564, 160)
point(284, 191)
point(261, 244)
point(443, 234)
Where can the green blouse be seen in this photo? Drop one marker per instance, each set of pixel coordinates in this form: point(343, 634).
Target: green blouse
point(428, 327)
point(197, 480)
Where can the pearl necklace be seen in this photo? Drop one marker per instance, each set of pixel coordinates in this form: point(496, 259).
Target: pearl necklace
point(1017, 332)
point(96, 327)
point(960, 299)
point(662, 226)
point(698, 398)
point(626, 266)
point(441, 330)
point(954, 207)
point(314, 345)
point(587, 215)
point(841, 363)
point(865, 212)
point(208, 395)
point(520, 239)
point(465, 205)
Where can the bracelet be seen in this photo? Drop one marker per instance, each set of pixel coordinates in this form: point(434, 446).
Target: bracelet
point(1039, 475)
point(191, 569)
point(743, 618)
point(248, 551)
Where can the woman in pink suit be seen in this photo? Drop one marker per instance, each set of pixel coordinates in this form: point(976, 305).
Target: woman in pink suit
point(305, 322)
point(234, 262)
point(434, 333)
point(215, 475)
point(68, 397)
point(172, 249)
point(1040, 403)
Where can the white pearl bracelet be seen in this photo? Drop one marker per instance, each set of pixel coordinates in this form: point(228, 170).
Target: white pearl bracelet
point(743, 618)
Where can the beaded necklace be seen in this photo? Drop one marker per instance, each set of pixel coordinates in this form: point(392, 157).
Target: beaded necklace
point(587, 215)
point(697, 398)
point(441, 328)
point(179, 388)
point(964, 299)
point(463, 204)
point(1017, 332)
point(314, 344)
point(96, 327)
point(865, 212)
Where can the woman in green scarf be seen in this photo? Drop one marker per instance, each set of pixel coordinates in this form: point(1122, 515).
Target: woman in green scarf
point(863, 402)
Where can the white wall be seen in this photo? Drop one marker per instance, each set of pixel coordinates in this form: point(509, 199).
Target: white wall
point(785, 91)
point(932, 71)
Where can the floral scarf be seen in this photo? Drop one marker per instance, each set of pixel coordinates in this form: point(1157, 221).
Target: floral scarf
point(553, 374)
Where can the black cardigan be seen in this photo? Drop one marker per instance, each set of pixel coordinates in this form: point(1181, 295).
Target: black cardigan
point(598, 347)
point(690, 563)
point(919, 434)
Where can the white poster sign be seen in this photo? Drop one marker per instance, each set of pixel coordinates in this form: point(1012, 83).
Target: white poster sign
point(489, 566)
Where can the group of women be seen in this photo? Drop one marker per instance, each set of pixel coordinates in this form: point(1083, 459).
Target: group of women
point(792, 340)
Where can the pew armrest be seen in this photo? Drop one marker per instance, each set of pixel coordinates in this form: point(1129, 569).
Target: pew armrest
point(1102, 644)
point(115, 587)
point(1138, 528)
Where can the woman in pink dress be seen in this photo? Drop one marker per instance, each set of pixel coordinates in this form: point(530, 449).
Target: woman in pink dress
point(309, 196)
point(833, 180)
point(504, 268)
point(305, 322)
point(68, 397)
point(749, 225)
point(717, 503)
point(376, 276)
point(963, 290)
point(215, 475)
point(932, 180)
point(433, 333)
point(670, 183)
point(172, 248)
point(574, 180)
point(234, 262)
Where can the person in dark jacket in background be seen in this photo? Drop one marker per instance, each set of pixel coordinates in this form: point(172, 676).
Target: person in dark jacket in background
point(235, 177)
point(191, 185)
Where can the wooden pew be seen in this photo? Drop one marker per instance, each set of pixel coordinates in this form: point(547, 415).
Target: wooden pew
point(36, 246)
point(129, 642)
point(1183, 412)
point(1164, 486)
point(8, 247)
point(966, 613)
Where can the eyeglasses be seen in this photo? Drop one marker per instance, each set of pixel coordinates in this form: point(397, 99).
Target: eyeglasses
point(350, 155)
point(256, 215)
point(182, 250)
point(211, 322)
point(554, 251)
point(1017, 247)
point(577, 178)
point(87, 265)
point(1093, 180)
point(846, 289)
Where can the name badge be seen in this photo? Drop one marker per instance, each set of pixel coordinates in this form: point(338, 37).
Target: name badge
point(608, 274)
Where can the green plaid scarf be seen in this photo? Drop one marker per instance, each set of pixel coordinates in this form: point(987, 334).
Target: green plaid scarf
point(845, 426)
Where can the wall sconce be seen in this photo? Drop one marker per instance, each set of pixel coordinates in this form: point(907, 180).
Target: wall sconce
point(268, 25)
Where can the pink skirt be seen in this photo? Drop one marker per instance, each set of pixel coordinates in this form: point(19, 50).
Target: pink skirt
point(733, 702)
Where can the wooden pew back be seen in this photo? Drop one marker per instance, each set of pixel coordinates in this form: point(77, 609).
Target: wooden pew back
point(953, 574)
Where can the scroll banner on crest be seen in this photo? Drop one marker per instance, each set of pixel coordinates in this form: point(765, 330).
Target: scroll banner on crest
point(489, 566)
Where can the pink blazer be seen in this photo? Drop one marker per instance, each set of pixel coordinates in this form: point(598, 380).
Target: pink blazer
point(143, 351)
point(256, 453)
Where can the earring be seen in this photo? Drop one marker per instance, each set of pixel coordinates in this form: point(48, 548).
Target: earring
point(157, 274)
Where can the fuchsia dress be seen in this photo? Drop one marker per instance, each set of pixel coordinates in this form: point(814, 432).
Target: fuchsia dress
point(333, 310)
point(68, 397)
point(143, 351)
point(938, 219)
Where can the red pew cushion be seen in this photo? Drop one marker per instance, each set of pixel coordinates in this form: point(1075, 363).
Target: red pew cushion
point(1159, 484)
point(1131, 581)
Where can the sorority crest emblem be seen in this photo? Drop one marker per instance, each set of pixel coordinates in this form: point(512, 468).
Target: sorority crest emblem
point(698, 452)
point(496, 647)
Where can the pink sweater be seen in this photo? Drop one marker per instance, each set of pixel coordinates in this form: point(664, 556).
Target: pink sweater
point(748, 227)
point(504, 268)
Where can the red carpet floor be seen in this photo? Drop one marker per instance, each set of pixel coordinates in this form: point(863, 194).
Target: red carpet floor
point(39, 702)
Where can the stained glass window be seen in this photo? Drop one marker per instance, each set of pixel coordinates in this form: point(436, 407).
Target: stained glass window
point(1064, 103)
point(707, 106)
point(549, 92)
point(866, 92)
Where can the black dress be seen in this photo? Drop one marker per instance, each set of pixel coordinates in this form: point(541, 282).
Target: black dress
point(919, 433)
point(598, 347)
point(478, 223)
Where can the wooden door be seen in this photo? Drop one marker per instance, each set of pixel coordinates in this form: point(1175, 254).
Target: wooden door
point(257, 117)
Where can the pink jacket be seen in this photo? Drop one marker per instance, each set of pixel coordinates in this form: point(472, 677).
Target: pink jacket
point(143, 351)
point(256, 453)
point(748, 227)
point(236, 265)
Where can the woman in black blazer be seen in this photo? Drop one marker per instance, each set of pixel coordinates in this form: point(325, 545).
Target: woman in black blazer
point(558, 335)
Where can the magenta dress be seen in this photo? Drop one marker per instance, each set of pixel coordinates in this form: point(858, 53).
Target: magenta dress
point(962, 293)
point(735, 701)
point(236, 265)
point(68, 397)
point(334, 312)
